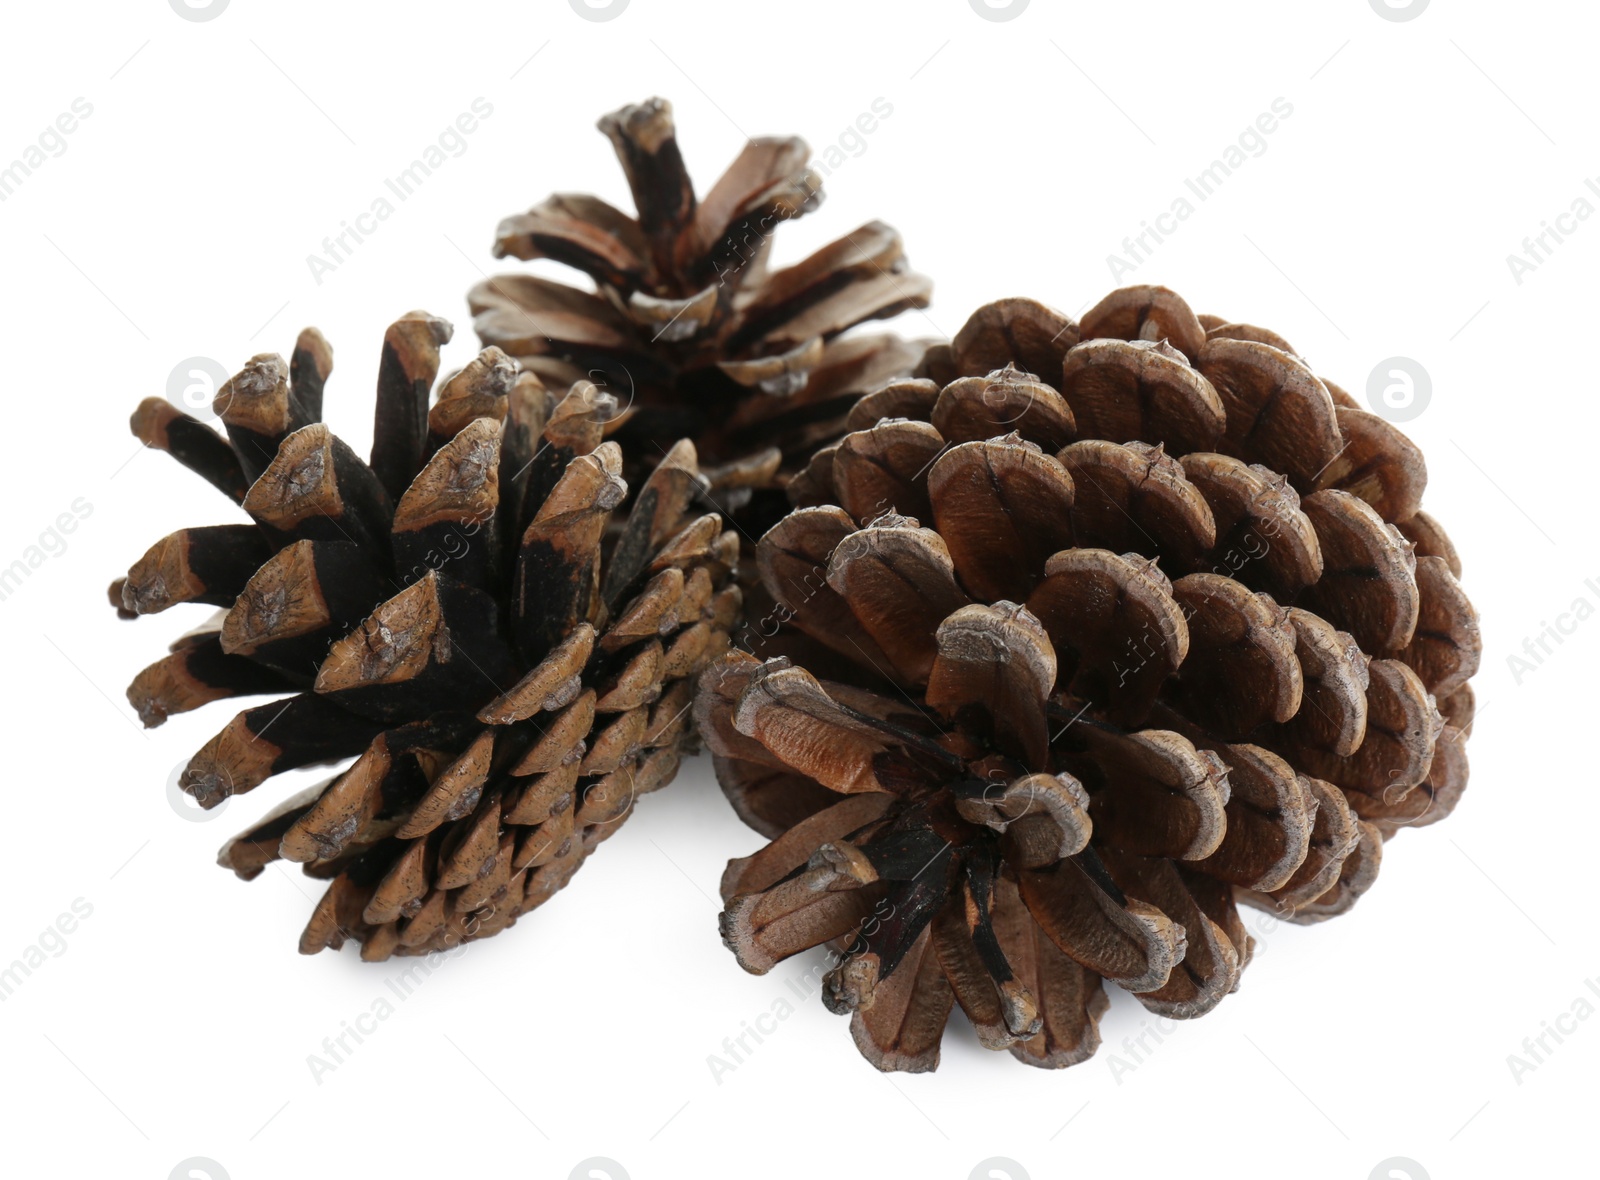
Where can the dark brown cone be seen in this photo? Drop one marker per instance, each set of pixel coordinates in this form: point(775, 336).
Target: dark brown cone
point(687, 326)
point(1124, 624)
point(504, 648)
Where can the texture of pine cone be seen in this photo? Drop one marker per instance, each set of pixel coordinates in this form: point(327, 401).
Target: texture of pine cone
point(1129, 621)
point(508, 656)
point(687, 326)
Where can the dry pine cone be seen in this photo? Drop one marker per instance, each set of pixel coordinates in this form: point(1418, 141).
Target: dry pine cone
point(686, 325)
point(507, 655)
point(1135, 620)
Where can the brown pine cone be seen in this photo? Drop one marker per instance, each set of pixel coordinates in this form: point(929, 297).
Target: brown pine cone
point(507, 656)
point(687, 326)
point(1118, 652)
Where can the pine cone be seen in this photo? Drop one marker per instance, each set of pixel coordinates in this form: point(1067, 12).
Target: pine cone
point(1171, 638)
point(506, 655)
point(687, 326)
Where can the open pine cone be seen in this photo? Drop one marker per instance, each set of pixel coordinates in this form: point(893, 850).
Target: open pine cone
point(687, 326)
point(509, 655)
point(1129, 621)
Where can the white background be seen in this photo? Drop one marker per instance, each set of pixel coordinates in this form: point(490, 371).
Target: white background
point(178, 1020)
